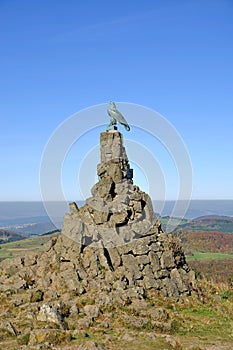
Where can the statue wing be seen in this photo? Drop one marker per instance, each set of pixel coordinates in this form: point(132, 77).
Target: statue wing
point(118, 116)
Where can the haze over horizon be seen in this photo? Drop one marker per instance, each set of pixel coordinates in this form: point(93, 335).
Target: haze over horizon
point(58, 58)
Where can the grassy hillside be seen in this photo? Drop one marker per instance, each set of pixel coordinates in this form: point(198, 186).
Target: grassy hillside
point(209, 223)
point(210, 254)
point(9, 236)
point(12, 249)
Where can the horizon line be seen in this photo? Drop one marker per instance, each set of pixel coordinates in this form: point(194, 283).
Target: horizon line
point(83, 200)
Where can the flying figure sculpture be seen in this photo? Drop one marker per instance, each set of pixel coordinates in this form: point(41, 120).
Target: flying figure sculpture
point(116, 116)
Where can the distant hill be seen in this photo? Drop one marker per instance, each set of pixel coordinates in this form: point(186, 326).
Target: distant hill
point(28, 228)
point(209, 223)
point(9, 236)
point(36, 229)
point(12, 249)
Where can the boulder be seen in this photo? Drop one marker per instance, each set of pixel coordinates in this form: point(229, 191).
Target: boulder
point(49, 313)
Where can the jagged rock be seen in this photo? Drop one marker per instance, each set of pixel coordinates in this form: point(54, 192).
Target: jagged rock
point(91, 311)
point(49, 313)
point(104, 188)
point(84, 214)
point(110, 251)
point(134, 271)
point(115, 257)
point(149, 280)
point(73, 207)
point(118, 218)
point(114, 202)
point(84, 322)
point(173, 342)
point(119, 221)
point(167, 259)
point(74, 310)
point(154, 260)
point(29, 260)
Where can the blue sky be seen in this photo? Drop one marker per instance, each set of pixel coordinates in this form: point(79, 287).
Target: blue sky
point(59, 57)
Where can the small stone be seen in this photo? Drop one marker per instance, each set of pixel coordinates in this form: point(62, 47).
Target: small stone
point(167, 259)
point(104, 188)
point(73, 208)
point(84, 323)
point(119, 218)
point(74, 310)
point(154, 260)
point(129, 262)
point(129, 338)
point(91, 311)
point(173, 342)
point(149, 280)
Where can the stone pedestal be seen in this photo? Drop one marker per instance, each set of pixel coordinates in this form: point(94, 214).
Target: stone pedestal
point(111, 146)
point(114, 161)
point(117, 208)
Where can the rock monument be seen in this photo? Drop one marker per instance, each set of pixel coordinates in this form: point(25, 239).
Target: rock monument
point(122, 249)
point(111, 253)
point(113, 244)
point(118, 211)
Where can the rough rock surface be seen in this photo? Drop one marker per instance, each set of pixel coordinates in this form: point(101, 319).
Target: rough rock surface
point(112, 251)
point(113, 244)
point(118, 211)
point(121, 243)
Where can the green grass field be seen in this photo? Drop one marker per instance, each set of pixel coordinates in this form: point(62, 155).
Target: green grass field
point(207, 256)
point(13, 249)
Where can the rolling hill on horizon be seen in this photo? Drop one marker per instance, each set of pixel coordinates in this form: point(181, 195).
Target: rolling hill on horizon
point(9, 236)
point(209, 223)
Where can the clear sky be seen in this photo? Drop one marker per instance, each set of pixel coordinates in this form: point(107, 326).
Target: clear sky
point(59, 57)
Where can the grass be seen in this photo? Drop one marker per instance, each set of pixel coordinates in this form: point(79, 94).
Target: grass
point(205, 321)
point(205, 256)
point(16, 248)
point(193, 322)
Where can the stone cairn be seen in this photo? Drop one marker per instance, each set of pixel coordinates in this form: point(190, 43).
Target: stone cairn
point(112, 249)
point(118, 212)
point(122, 248)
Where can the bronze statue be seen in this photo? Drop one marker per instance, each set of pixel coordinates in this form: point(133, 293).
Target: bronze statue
point(116, 116)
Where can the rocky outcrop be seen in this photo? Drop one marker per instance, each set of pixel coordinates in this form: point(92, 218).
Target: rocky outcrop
point(118, 211)
point(113, 244)
point(121, 244)
point(112, 251)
